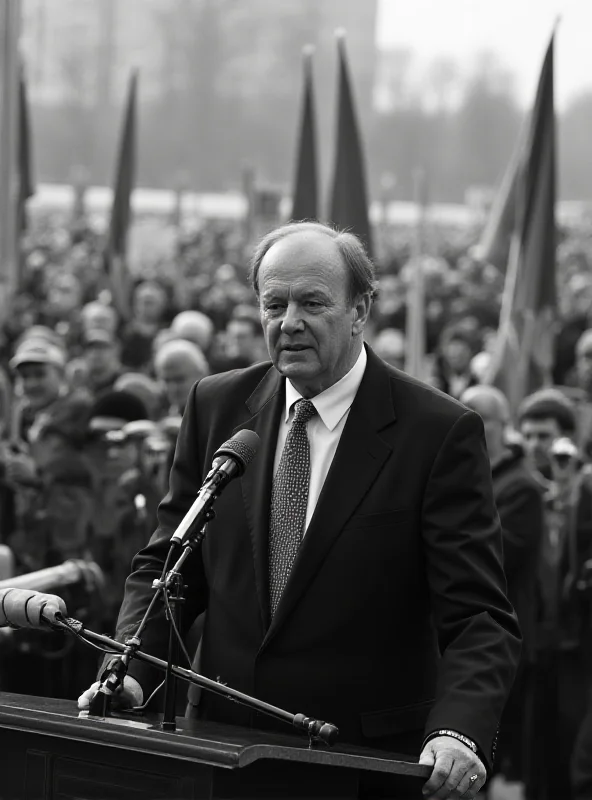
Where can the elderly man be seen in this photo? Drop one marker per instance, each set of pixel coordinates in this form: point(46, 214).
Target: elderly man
point(519, 501)
point(178, 365)
point(355, 570)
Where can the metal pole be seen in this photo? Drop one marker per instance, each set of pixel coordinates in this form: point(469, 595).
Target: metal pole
point(10, 20)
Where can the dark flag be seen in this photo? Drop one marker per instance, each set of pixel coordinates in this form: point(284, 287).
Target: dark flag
point(305, 195)
point(494, 244)
point(523, 359)
point(125, 175)
point(349, 198)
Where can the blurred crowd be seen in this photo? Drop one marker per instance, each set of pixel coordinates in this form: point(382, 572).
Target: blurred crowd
point(92, 390)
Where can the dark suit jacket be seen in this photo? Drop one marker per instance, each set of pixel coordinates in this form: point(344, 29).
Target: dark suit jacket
point(401, 564)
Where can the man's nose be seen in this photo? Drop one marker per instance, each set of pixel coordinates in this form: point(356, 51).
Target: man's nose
point(292, 320)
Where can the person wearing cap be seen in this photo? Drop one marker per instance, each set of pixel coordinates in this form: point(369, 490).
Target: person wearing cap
point(547, 422)
point(101, 354)
point(39, 368)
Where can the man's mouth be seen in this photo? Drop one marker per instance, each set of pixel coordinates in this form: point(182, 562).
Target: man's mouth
point(295, 348)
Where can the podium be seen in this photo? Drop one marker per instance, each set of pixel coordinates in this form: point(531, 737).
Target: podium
point(51, 751)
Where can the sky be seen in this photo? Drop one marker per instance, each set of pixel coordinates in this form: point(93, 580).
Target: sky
point(517, 31)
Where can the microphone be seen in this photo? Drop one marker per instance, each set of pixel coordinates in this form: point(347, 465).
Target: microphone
point(230, 461)
point(26, 608)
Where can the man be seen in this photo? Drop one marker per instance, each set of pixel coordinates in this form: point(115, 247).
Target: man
point(39, 369)
point(102, 359)
point(149, 306)
point(543, 417)
point(547, 420)
point(96, 315)
point(519, 501)
point(452, 367)
point(178, 365)
point(361, 547)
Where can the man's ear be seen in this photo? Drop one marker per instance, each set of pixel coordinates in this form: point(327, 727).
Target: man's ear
point(361, 311)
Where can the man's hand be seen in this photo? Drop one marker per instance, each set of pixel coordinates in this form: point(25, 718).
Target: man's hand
point(128, 695)
point(453, 766)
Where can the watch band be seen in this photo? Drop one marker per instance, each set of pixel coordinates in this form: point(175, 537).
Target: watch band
point(455, 735)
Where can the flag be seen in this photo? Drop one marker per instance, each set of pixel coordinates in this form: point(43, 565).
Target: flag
point(125, 174)
point(349, 199)
point(25, 171)
point(523, 359)
point(494, 244)
point(305, 194)
point(415, 337)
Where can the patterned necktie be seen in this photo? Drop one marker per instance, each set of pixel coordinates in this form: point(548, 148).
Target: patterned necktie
point(289, 499)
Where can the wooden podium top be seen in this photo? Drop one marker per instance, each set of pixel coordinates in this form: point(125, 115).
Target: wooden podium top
point(218, 745)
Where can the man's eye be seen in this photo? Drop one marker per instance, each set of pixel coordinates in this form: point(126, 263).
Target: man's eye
point(313, 303)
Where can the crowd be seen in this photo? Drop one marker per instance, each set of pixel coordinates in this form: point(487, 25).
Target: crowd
point(91, 400)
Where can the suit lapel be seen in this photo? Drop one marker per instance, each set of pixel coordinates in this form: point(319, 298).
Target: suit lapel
point(361, 455)
point(266, 405)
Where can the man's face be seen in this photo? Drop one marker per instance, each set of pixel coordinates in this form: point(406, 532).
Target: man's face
point(178, 374)
point(101, 359)
point(241, 340)
point(307, 319)
point(64, 295)
point(149, 304)
point(41, 383)
point(538, 436)
point(99, 317)
point(458, 355)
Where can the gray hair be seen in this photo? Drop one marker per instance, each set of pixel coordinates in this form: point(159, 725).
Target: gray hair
point(187, 350)
point(362, 277)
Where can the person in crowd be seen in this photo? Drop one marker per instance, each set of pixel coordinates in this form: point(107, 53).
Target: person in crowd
point(145, 389)
point(178, 365)
point(117, 527)
point(62, 310)
point(452, 366)
point(243, 343)
point(98, 316)
point(363, 453)
point(39, 367)
point(544, 417)
point(149, 306)
point(389, 345)
point(195, 327)
point(101, 355)
point(547, 422)
point(519, 501)
point(575, 305)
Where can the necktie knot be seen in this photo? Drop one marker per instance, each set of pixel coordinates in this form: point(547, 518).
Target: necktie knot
point(304, 410)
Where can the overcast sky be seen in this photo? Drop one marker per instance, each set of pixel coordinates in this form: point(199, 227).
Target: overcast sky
point(516, 30)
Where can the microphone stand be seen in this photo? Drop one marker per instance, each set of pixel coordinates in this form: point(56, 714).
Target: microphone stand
point(171, 586)
point(317, 730)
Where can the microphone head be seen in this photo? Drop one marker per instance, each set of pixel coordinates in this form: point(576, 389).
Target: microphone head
point(242, 448)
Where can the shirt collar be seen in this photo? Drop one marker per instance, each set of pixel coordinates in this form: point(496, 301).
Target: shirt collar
point(333, 403)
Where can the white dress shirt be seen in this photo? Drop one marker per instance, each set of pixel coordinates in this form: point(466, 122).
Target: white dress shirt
point(324, 429)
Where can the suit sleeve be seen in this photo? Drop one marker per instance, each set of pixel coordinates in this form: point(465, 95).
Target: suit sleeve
point(478, 634)
point(184, 483)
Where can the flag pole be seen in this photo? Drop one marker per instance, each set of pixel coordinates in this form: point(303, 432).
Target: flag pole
point(415, 350)
point(10, 21)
